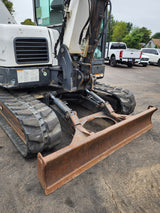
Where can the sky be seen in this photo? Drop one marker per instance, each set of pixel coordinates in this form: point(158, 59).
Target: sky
point(142, 13)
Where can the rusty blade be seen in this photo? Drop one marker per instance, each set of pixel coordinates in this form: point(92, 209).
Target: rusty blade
point(60, 167)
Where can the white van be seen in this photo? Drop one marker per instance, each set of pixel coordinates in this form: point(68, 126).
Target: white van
point(153, 54)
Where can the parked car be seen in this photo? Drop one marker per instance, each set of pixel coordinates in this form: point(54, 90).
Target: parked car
point(144, 60)
point(117, 52)
point(153, 54)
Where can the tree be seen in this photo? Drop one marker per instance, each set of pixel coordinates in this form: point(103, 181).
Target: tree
point(146, 34)
point(133, 39)
point(9, 6)
point(156, 35)
point(120, 31)
point(129, 26)
point(137, 36)
point(27, 22)
point(111, 28)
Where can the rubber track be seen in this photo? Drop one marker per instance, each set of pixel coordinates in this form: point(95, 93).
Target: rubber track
point(125, 98)
point(40, 124)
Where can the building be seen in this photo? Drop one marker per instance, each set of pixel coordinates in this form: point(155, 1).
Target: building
point(153, 43)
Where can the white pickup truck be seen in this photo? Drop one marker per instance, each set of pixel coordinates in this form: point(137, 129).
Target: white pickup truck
point(117, 52)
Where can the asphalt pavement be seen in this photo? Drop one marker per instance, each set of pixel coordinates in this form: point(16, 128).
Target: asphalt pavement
point(126, 181)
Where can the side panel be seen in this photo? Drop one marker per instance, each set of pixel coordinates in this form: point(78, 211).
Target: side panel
point(54, 35)
point(7, 37)
point(24, 77)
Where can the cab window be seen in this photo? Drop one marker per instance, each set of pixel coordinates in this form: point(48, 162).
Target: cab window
point(155, 52)
point(118, 46)
point(49, 12)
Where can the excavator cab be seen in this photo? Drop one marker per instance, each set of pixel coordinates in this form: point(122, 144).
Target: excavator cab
point(49, 13)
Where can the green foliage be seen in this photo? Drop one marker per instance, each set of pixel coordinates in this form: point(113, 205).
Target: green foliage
point(9, 6)
point(27, 22)
point(124, 31)
point(129, 27)
point(119, 31)
point(156, 35)
point(146, 34)
point(133, 39)
point(137, 36)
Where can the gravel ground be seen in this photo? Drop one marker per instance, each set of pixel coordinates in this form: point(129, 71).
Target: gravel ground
point(126, 181)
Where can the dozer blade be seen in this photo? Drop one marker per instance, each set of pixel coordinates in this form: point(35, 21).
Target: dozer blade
point(60, 167)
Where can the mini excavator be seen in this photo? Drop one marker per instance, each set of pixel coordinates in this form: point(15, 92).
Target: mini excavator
point(51, 101)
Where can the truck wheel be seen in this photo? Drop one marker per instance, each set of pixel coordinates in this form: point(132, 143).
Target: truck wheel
point(113, 62)
point(130, 65)
point(144, 65)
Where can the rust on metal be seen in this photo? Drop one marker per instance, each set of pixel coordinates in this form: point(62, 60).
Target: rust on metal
point(12, 121)
point(88, 148)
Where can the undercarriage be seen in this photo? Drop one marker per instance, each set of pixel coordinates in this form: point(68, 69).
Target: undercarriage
point(33, 115)
point(82, 126)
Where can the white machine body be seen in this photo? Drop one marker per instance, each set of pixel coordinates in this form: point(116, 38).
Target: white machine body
point(8, 36)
